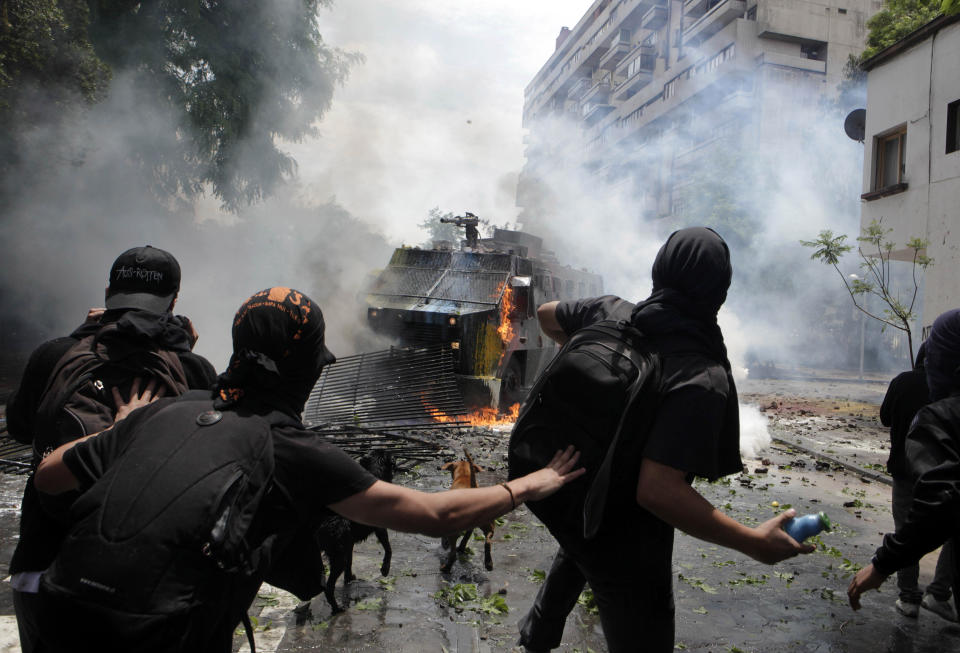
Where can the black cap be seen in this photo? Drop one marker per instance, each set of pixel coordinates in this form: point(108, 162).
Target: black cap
point(143, 277)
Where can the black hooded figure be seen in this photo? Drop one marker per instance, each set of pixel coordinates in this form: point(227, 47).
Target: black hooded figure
point(695, 433)
point(932, 463)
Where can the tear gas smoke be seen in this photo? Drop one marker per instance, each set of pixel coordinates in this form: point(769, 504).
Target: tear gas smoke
point(754, 434)
point(68, 222)
point(766, 164)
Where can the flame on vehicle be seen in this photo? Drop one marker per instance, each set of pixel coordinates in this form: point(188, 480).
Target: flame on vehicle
point(505, 330)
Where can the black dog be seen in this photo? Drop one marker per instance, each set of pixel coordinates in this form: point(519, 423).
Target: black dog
point(336, 535)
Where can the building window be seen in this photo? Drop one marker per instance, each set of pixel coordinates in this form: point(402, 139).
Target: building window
point(815, 51)
point(953, 126)
point(889, 152)
point(670, 88)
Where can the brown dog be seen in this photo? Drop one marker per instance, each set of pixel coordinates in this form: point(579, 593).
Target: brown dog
point(464, 474)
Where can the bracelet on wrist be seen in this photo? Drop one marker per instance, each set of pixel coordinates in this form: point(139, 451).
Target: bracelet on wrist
point(513, 499)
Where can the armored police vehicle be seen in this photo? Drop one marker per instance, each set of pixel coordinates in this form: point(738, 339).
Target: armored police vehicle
point(478, 300)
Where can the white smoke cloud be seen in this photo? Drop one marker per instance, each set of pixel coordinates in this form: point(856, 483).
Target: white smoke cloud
point(754, 434)
point(432, 118)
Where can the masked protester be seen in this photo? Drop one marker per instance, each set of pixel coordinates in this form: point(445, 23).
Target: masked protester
point(694, 433)
point(933, 462)
point(137, 319)
point(139, 572)
point(908, 392)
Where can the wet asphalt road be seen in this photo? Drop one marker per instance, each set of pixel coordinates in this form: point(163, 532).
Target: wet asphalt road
point(725, 601)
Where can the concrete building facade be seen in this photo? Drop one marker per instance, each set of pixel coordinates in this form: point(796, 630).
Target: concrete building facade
point(911, 164)
point(651, 88)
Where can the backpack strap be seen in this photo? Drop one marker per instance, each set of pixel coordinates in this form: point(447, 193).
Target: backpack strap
point(595, 501)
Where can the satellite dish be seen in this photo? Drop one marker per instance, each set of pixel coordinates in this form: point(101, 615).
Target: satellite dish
point(856, 124)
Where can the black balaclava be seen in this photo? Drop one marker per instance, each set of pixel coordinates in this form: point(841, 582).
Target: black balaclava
point(691, 275)
point(278, 353)
point(942, 358)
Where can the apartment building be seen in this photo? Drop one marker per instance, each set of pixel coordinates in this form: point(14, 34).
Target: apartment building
point(911, 166)
point(647, 90)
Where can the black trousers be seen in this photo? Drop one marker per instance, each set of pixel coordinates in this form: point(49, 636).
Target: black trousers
point(636, 605)
point(25, 606)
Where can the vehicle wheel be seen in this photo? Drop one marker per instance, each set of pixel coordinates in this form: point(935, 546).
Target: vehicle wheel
point(511, 385)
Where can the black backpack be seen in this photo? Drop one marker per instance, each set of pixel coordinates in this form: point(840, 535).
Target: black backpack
point(600, 394)
point(78, 399)
point(159, 555)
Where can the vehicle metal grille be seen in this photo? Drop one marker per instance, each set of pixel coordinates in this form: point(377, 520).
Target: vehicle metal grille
point(408, 387)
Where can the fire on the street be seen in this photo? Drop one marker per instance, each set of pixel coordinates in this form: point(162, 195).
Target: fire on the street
point(484, 416)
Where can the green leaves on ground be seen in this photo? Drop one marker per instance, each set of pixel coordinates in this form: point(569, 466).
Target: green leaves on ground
point(588, 602)
point(698, 583)
point(464, 596)
point(537, 576)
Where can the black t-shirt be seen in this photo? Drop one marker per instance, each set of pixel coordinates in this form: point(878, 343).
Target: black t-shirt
point(688, 433)
point(311, 472)
point(907, 393)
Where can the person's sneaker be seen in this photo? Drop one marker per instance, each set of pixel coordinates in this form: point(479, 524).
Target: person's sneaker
point(908, 609)
point(938, 607)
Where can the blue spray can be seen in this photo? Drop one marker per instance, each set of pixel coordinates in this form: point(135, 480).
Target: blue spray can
point(800, 528)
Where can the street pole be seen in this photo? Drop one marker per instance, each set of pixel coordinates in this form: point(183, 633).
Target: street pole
point(863, 327)
point(863, 324)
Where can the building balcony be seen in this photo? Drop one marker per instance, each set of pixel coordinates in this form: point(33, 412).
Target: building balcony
point(579, 87)
point(639, 71)
point(793, 61)
point(642, 55)
point(697, 8)
point(718, 15)
point(633, 11)
point(616, 53)
point(599, 92)
point(655, 18)
point(594, 111)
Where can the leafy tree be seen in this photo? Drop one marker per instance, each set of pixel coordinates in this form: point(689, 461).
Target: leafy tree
point(875, 254)
point(898, 18)
point(44, 53)
point(238, 75)
point(950, 7)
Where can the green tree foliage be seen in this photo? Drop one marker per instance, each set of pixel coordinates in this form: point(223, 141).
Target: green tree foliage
point(897, 19)
point(44, 52)
point(950, 7)
point(238, 75)
point(875, 256)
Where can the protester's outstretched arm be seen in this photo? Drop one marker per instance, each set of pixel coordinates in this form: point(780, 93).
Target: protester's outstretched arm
point(547, 317)
point(441, 513)
point(866, 579)
point(663, 490)
point(53, 476)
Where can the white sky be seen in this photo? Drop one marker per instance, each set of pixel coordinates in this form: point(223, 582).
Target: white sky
point(433, 117)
